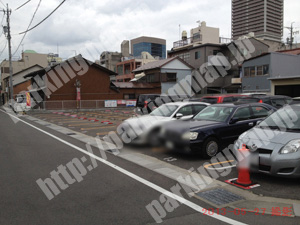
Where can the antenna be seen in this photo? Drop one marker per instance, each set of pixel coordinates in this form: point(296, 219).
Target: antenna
point(199, 22)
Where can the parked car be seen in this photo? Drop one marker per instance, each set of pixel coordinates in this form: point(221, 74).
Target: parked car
point(216, 99)
point(213, 128)
point(142, 101)
point(150, 124)
point(295, 101)
point(146, 103)
point(276, 101)
point(253, 94)
point(275, 143)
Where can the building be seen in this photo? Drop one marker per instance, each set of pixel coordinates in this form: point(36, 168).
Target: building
point(29, 58)
point(199, 35)
point(275, 72)
point(53, 59)
point(263, 17)
point(20, 83)
point(165, 73)
point(53, 85)
point(154, 46)
point(198, 55)
point(109, 60)
point(128, 64)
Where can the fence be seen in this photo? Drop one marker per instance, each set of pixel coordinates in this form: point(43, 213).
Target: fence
point(83, 104)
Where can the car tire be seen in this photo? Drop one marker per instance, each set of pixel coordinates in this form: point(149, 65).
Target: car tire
point(210, 148)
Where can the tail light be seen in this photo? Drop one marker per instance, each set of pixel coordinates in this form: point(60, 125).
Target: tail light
point(219, 100)
point(145, 104)
point(260, 101)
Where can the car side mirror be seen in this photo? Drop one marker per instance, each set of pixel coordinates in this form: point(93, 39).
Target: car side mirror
point(179, 116)
point(234, 120)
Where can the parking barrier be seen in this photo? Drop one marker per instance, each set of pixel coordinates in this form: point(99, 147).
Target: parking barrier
point(243, 180)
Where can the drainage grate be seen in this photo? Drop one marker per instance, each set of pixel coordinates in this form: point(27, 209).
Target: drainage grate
point(71, 134)
point(219, 196)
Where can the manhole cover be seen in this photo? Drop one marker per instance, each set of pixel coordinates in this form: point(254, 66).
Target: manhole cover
point(219, 196)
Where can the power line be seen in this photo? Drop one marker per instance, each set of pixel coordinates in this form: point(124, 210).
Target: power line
point(22, 5)
point(3, 48)
point(28, 26)
point(3, 4)
point(43, 19)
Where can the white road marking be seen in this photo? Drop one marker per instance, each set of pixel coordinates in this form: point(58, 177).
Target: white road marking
point(135, 177)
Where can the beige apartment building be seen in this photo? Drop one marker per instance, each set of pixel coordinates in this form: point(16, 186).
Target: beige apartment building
point(29, 59)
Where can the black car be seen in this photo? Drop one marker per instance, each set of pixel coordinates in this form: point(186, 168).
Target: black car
point(276, 101)
point(214, 127)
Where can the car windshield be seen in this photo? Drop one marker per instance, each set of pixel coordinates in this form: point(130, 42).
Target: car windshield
point(214, 113)
point(286, 118)
point(164, 110)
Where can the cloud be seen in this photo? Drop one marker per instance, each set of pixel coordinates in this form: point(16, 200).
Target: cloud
point(93, 26)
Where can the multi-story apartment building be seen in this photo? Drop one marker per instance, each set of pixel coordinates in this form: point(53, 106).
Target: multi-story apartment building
point(29, 59)
point(263, 17)
point(128, 64)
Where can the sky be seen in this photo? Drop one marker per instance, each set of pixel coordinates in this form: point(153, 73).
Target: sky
point(93, 26)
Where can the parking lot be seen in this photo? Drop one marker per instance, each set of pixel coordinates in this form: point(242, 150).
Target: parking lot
point(92, 123)
point(99, 123)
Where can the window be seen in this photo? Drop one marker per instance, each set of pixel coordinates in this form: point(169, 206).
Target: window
point(150, 78)
point(265, 69)
point(198, 108)
point(252, 71)
point(242, 114)
point(120, 70)
point(4, 69)
point(246, 71)
point(186, 110)
point(259, 112)
point(129, 96)
point(197, 55)
point(259, 71)
point(171, 77)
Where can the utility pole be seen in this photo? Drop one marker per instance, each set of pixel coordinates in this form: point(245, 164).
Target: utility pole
point(290, 40)
point(7, 30)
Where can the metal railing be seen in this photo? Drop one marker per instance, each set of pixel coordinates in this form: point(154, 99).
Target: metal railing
point(72, 104)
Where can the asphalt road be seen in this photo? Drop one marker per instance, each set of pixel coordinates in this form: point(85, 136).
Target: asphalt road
point(112, 191)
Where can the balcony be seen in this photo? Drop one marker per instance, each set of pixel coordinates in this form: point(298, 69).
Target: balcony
point(187, 41)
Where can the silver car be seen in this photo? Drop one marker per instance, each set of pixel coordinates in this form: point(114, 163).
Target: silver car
point(144, 129)
point(274, 144)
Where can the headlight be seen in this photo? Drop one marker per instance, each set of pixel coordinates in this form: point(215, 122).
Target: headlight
point(190, 136)
point(291, 147)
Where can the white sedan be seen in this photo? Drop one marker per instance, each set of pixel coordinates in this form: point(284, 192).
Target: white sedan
point(144, 129)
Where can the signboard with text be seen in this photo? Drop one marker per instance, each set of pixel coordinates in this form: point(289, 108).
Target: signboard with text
point(110, 103)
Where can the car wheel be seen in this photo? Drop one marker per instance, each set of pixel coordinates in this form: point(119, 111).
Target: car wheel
point(210, 148)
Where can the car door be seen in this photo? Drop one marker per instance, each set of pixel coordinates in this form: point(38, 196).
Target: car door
point(186, 111)
point(198, 108)
point(241, 121)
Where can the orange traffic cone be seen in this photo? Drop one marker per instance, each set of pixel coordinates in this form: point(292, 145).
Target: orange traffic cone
point(244, 175)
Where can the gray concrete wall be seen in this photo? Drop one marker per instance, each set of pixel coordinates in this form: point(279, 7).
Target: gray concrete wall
point(284, 65)
point(181, 74)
